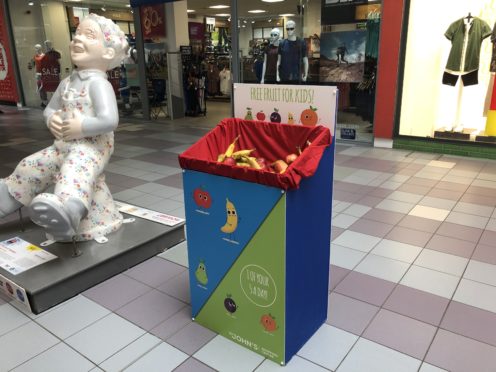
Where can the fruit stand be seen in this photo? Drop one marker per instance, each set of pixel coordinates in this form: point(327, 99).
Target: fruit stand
point(259, 234)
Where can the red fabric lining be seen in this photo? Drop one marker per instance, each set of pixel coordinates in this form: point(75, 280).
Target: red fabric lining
point(271, 141)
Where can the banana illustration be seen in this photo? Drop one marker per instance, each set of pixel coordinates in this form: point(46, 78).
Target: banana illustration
point(232, 218)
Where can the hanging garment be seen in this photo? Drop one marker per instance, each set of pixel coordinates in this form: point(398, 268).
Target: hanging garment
point(225, 82)
point(372, 44)
point(271, 51)
point(466, 38)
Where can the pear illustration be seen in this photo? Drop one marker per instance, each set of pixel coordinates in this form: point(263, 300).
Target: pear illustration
point(201, 273)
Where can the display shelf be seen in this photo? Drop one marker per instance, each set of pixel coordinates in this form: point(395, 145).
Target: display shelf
point(66, 276)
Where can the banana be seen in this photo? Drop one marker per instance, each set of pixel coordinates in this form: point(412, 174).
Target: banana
point(240, 153)
point(230, 148)
point(221, 158)
point(231, 218)
point(253, 162)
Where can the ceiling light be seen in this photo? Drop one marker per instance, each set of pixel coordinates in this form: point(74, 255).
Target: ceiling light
point(270, 20)
point(31, 3)
point(252, 21)
point(272, 1)
point(190, 11)
point(229, 19)
point(286, 15)
point(103, 9)
point(128, 5)
point(243, 26)
point(219, 6)
point(222, 15)
point(256, 11)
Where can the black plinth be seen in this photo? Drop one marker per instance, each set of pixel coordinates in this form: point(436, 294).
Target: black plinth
point(66, 276)
point(452, 135)
point(487, 139)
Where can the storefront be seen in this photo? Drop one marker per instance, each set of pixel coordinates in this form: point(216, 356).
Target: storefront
point(351, 44)
point(447, 91)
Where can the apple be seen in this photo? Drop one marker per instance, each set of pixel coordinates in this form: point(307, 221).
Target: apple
point(229, 161)
point(291, 158)
point(280, 166)
point(262, 162)
point(260, 116)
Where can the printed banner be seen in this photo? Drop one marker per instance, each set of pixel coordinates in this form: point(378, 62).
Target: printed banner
point(153, 21)
point(50, 70)
point(8, 87)
point(147, 214)
point(15, 292)
point(292, 104)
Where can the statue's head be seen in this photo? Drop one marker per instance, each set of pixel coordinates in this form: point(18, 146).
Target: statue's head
point(98, 44)
point(275, 34)
point(290, 28)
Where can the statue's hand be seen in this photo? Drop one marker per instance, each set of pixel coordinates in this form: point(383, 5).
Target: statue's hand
point(55, 125)
point(72, 128)
point(304, 77)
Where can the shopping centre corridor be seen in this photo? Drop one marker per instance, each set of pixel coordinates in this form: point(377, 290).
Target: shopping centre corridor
point(412, 271)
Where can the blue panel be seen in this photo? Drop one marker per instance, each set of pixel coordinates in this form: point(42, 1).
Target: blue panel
point(212, 251)
point(308, 218)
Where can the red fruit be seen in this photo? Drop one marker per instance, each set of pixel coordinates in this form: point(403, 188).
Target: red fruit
point(268, 322)
point(260, 116)
point(202, 198)
point(279, 166)
point(291, 158)
point(262, 162)
point(229, 161)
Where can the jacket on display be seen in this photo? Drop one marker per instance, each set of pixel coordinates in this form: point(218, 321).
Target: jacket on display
point(464, 55)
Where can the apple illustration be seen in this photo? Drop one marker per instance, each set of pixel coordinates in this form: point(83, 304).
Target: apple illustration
point(260, 116)
point(230, 305)
point(268, 322)
point(202, 198)
point(275, 117)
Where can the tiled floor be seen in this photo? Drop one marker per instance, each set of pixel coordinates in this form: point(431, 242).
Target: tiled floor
point(413, 268)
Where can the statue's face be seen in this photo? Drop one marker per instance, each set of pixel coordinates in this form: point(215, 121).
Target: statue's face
point(274, 36)
point(290, 28)
point(87, 47)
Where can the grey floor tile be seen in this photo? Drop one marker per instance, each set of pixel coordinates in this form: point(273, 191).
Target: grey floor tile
point(24, 343)
point(117, 291)
point(151, 309)
point(60, 358)
point(104, 338)
point(10, 318)
point(191, 338)
point(177, 287)
point(193, 365)
point(155, 271)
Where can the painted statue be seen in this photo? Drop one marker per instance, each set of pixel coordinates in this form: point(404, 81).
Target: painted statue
point(82, 116)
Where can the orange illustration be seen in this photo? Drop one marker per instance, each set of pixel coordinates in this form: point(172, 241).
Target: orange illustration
point(309, 116)
point(268, 322)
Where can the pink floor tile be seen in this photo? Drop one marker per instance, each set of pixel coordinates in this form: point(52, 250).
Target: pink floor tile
point(471, 322)
point(452, 186)
point(384, 216)
point(400, 333)
point(416, 304)
point(409, 236)
point(370, 201)
point(485, 253)
point(349, 314)
point(336, 231)
point(445, 194)
point(419, 223)
point(478, 190)
point(370, 227)
point(451, 245)
point(380, 192)
point(365, 288)
point(415, 189)
point(425, 182)
point(454, 230)
point(457, 353)
point(336, 275)
point(346, 196)
point(488, 201)
point(488, 238)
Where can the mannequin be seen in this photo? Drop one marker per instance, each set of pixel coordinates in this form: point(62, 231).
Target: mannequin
point(50, 66)
point(466, 36)
point(37, 61)
point(292, 54)
point(271, 52)
point(81, 115)
point(225, 81)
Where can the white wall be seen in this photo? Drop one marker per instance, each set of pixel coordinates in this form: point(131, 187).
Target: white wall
point(176, 25)
point(311, 19)
point(427, 104)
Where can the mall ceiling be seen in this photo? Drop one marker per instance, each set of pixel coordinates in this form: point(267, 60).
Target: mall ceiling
point(202, 7)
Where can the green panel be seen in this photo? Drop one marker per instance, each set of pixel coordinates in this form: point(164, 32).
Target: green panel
point(463, 148)
point(248, 306)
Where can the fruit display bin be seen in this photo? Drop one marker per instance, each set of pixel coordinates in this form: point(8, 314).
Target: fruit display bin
point(259, 242)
